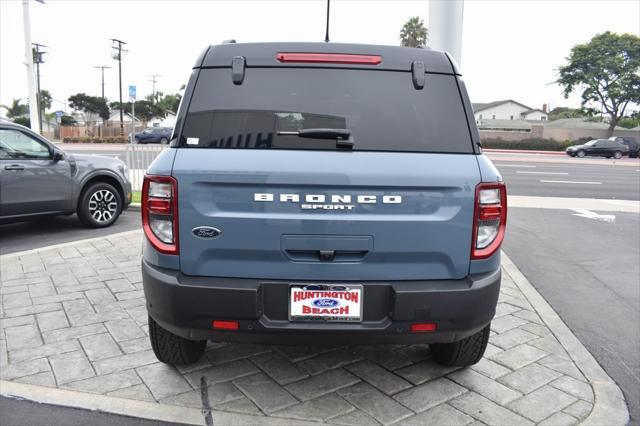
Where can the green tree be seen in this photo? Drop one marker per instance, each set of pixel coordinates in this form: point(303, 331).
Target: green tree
point(16, 109)
point(45, 100)
point(67, 120)
point(630, 121)
point(90, 105)
point(564, 112)
point(145, 110)
point(25, 121)
point(414, 33)
point(607, 71)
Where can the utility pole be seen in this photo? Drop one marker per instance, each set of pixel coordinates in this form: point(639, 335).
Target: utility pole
point(38, 58)
point(117, 55)
point(326, 36)
point(153, 81)
point(28, 60)
point(102, 68)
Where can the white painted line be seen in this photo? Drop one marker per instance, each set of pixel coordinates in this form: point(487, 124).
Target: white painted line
point(543, 173)
point(571, 181)
point(561, 203)
point(608, 218)
point(514, 165)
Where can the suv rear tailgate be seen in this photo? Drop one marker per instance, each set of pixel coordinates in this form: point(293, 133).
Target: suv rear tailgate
point(423, 231)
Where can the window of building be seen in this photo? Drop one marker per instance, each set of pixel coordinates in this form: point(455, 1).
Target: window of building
point(512, 117)
point(493, 117)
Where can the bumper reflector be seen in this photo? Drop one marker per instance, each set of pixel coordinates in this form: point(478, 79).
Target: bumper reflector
point(423, 327)
point(225, 325)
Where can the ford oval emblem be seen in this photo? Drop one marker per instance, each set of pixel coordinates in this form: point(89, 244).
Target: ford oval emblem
point(206, 232)
point(326, 303)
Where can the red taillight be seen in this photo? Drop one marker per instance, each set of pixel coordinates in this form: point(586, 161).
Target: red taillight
point(333, 58)
point(489, 219)
point(160, 213)
point(225, 325)
point(423, 327)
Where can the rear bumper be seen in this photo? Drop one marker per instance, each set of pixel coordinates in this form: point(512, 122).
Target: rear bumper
point(187, 305)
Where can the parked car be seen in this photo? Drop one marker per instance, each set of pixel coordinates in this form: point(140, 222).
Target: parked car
point(599, 148)
point(153, 135)
point(40, 179)
point(356, 209)
point(630, 142)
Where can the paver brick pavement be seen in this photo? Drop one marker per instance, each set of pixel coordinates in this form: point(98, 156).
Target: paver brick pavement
point(74, 317)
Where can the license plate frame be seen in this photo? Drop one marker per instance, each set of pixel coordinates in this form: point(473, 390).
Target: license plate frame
point(330, 288)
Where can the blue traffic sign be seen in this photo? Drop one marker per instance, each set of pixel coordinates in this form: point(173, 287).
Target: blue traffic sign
point(132, 92)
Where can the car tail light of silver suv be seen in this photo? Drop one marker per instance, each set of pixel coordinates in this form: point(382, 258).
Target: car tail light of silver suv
point(489, 219)
point(160, 213)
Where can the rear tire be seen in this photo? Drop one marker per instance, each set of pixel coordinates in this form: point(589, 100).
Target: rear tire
point(172, 349)
point(462, 353)
point(164, 141)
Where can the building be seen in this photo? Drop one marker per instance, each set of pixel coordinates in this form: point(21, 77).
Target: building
point(508, 110)
point(168, 120)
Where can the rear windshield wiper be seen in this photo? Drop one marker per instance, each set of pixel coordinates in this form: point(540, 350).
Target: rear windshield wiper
point(341, 136)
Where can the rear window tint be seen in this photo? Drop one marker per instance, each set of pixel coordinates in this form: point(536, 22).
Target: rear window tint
point(381, 109)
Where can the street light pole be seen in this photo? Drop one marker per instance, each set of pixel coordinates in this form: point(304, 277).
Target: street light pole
point(117, 55)
point(28, 59)
point(445, 26)
point(37, 58)
point(102, 68)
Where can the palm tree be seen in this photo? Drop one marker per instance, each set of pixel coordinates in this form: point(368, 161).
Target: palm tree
point(414, 33)
point(16, 109)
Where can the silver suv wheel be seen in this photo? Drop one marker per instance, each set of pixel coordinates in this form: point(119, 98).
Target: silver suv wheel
point(103, 205)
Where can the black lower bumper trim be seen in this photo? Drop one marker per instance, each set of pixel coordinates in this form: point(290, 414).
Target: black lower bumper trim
point(187, 305)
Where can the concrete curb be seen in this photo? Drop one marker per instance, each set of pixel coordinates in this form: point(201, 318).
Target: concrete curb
point(609, 406)
point(133, 408)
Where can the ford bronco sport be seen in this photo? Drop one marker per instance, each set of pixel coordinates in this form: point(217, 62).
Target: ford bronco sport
point(323, 194)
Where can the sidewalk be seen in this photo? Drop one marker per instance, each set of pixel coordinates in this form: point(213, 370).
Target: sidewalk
point(73, 332)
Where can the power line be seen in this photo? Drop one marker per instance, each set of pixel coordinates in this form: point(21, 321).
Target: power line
point(153, 81)
point(117, 55)
point(102, 68)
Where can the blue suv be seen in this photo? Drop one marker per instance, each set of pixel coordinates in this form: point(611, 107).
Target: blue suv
point(160, 135)
point(323, 194)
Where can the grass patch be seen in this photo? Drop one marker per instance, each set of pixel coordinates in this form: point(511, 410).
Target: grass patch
point(135, 197)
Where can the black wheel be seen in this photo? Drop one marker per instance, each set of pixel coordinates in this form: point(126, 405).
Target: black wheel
point(633, 155)
point(164, 141)
point(172, 349)
point(617, 155)
point(464, 352)
point(581, 154)
point(100, 205)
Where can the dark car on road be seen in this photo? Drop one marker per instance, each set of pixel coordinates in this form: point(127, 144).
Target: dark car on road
point(39, 179)
point(323, 193)
point(599, 148)
point(154, 135)
point(629, 141)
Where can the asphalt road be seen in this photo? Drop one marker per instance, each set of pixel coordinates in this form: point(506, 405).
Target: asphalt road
point(573, 179)
point(589, 272)
point(41, 233)
point(25, 413)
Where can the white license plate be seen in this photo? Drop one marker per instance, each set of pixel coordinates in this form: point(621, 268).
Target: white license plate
point(325, 302)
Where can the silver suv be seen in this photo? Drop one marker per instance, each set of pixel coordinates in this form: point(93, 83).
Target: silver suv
point(37, 178)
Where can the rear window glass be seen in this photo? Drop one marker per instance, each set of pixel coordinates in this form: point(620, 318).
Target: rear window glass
point(381, 110)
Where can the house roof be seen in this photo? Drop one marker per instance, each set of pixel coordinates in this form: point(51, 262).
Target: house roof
point(579, 123)
point(534, 110)
point(477, 107)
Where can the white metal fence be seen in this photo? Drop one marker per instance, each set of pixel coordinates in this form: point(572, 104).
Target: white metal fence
point(138, 158)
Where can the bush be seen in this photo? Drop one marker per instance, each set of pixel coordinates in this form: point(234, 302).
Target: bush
point(534, 144)
point(91, 139)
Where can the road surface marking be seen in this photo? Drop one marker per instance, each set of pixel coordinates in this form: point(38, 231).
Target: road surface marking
point(609, 218)
point(571, 181)
point(543, 173)
point(516, 165)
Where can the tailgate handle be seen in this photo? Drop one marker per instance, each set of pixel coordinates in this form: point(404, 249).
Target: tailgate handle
point(326, 256)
